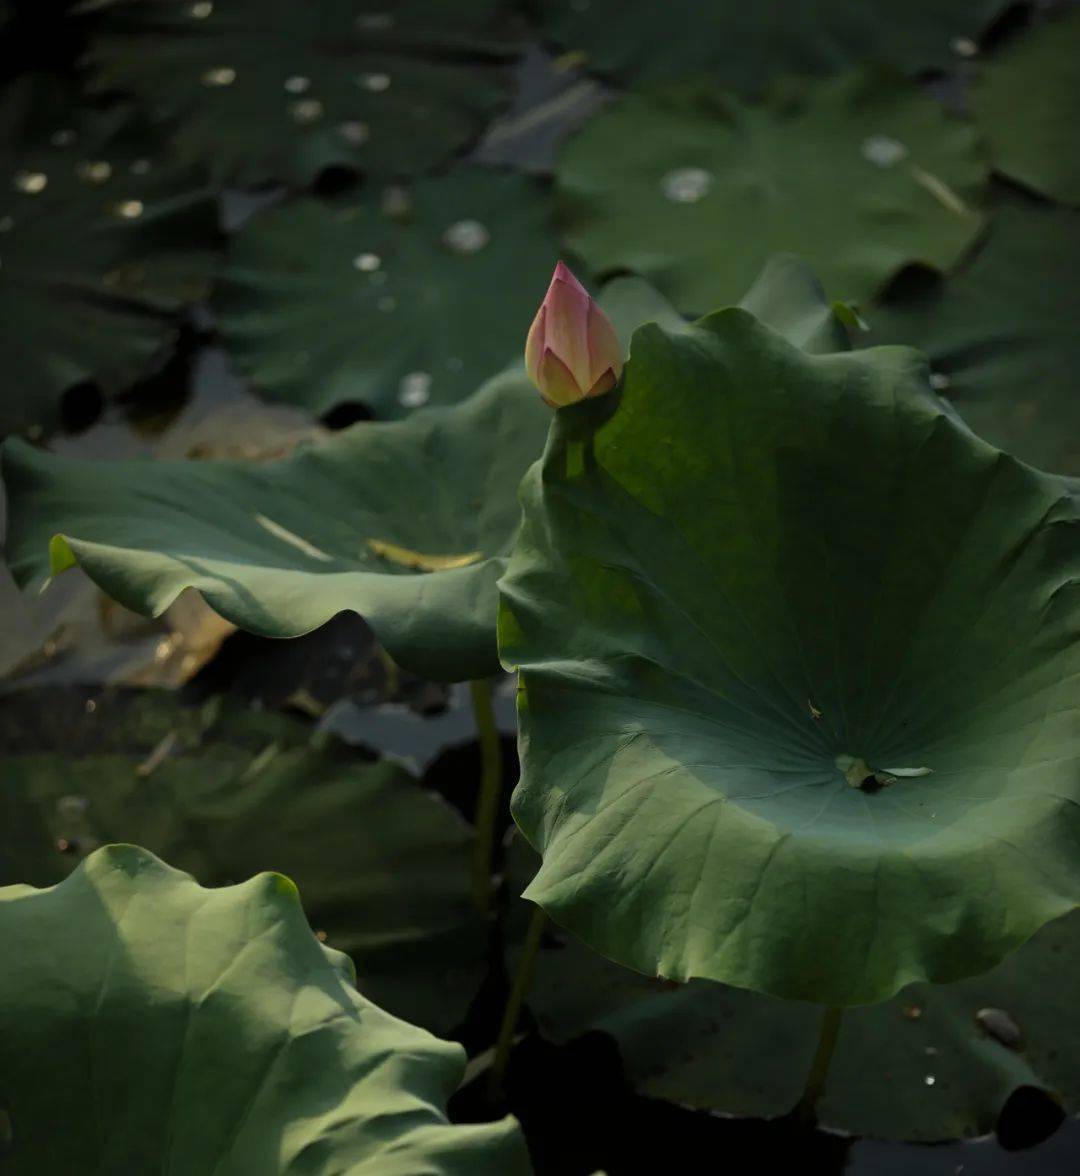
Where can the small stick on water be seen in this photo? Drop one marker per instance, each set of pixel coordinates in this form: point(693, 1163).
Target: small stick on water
point(487, 801)
point(806, 1110)
point(518, 992)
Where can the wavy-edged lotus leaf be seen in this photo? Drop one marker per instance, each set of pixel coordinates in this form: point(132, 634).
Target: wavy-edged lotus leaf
point(786, 296)
point(280, 91)
point(743, 45)
point(209, 1031)
point(1027, 103)
point(925, 1065)
point(798, 655)
point(860, 174)
point(322, 304)
point(406, 522)
point(1001, 333)
point(102, 246)
point(383, 864)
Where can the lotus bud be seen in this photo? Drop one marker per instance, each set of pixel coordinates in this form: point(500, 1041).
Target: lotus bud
point(572, 350)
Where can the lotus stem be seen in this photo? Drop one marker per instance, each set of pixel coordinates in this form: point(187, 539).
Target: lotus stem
point(518, 991)
point(806, 1110)
point(487, 802)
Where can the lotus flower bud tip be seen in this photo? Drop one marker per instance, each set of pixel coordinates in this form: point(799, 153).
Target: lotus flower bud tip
point(572, 350)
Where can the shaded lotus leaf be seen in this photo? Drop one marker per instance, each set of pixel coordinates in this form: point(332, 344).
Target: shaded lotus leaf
point(1001, 333)
point(707, 1045)
point(549, 99)
point(208, 1030)
point(860, 175)
point(102, 247)
point(797, 657)
point(281, 91)
point(496, 435)
point(322, 304)
point(743, 45)
point(408, 523)
point(786, 296)
point(383, 864)
point(1027, 103)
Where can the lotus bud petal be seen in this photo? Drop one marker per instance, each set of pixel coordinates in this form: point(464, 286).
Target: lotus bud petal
point(572, 350)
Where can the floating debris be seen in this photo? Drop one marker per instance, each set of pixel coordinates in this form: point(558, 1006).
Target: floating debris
point(997, 1023)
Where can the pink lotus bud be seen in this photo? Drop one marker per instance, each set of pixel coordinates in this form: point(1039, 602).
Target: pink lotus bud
point(572, 350)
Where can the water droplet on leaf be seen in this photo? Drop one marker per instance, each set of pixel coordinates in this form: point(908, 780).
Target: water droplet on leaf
point(375, 22)
point(883, 150)
point(307, 110)
point(396, 201)
point(414, 390)
point(94, 171)
point(466, 236)
point(30, 182)
point(223, 75)
point(354, 132)
point(686, 185)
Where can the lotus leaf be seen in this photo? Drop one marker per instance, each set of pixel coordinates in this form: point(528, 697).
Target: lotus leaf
point(798, 657)
point(209, 1031)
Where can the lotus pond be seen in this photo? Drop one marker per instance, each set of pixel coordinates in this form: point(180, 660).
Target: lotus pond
point(541, 588)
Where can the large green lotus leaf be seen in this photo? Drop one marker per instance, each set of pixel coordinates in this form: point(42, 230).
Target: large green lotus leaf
point(408, 523)
point(798, 659)
point(280, 90)
point(323, 304)
point(1001, 333)
point(861, 175)
point(1027, 102)
point(209, 1031)
point(383, 864)
point(920, 1066)
point(744, 45)
point(280, 548)
point(101, 248)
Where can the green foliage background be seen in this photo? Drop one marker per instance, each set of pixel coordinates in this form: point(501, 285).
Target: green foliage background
point(354, 208)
